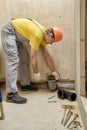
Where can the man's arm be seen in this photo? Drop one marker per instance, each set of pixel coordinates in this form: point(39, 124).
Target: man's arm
point(50, 62)
point(34, 62)
point(48, 58)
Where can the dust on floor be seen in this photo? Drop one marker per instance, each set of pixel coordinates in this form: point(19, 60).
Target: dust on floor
point(38, 113)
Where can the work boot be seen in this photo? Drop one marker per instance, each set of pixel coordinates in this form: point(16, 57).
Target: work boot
point(15, 98)
point(29, 88)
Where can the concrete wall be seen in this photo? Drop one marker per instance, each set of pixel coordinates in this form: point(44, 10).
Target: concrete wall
point(49, 13)
point(83, 101)
point(80, 58)
point(86, 31)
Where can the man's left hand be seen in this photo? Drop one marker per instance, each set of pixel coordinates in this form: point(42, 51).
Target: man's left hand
point(56, 75)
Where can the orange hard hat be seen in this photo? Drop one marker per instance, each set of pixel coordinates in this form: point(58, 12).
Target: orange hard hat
point(57, 34)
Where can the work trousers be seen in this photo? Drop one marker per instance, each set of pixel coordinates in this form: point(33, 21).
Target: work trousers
point(16, 56)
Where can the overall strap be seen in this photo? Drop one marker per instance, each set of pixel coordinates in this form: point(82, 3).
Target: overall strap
point(36, 23)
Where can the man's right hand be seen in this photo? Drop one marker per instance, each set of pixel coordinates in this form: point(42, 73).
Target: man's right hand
point(37, 76)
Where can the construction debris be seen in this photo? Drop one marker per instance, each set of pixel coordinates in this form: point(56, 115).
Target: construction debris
point(70, 118)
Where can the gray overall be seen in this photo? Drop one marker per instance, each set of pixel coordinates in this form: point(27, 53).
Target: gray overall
point(17, 58)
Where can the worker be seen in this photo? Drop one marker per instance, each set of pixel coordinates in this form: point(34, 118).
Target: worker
point(13, 36)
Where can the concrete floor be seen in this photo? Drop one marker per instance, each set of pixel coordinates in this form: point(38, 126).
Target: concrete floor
point(37, 113)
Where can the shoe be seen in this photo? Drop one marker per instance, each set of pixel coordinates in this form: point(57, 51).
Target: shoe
point(15, 98)
point(29, 88)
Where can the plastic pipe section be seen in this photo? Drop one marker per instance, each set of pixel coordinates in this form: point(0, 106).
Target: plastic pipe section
point(64, 94)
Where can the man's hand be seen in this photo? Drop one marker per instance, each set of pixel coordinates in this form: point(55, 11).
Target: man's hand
point(37, 76)
point(55, 75)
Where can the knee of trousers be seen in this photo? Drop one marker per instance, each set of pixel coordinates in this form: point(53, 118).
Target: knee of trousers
point(14, 63)
point(24, 60)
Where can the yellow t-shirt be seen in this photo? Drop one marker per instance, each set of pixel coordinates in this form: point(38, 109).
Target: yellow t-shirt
point(30, 31)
